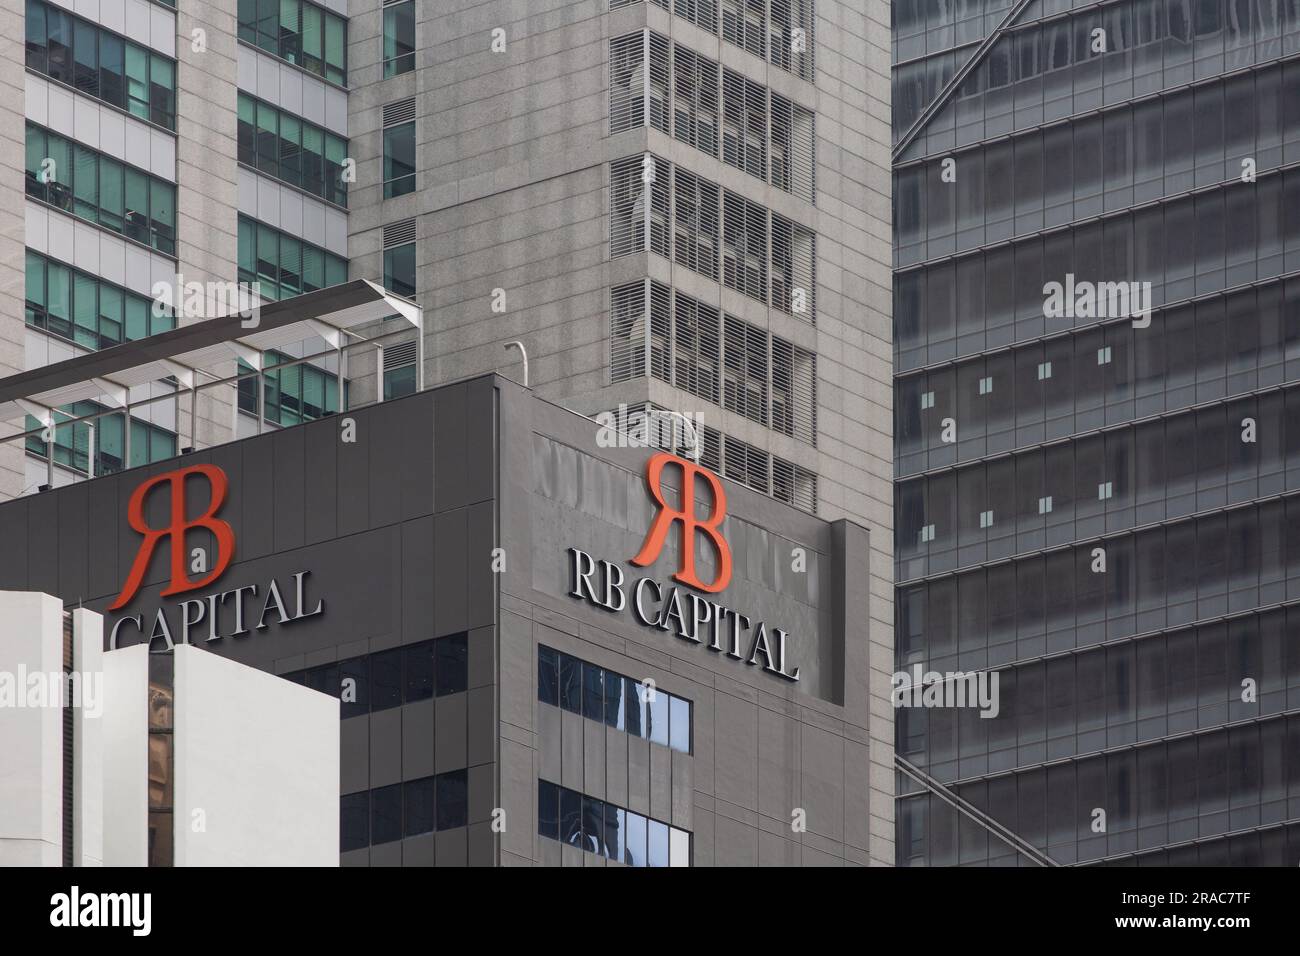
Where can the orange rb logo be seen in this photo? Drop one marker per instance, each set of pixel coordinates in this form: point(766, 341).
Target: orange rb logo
point(180, 580)
point(668, 516)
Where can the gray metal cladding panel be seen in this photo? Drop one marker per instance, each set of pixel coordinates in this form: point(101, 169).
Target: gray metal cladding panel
point(385, 747)
point(451, 488)
point(451, 572)
point(74, 512)
point(103, 528)
point(42, 544)
point(482, 792)
point(386, 449)
point(255, 498)
point(417, 541)
point(289, 461)
point(417, 739)
point(13, 545)
point(320, 479)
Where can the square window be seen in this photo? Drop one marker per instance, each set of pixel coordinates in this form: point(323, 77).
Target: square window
point(927, 533)
point(1103, 356)
point(986, 519)
point(1045, 505)
point(986, 385)
point(927, 400)
point(1044, 370)
point(1105, 490)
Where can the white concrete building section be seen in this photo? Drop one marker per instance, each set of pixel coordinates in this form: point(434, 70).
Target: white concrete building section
point(252, 759)
point(31, 738)
point(256, 767)
point(126, 756)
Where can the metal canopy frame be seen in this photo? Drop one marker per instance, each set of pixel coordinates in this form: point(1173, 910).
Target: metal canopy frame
point(189, 353)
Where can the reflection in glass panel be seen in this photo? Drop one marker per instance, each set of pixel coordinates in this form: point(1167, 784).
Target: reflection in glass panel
point(657, 844)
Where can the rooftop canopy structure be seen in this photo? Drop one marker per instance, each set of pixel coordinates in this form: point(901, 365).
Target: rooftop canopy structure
point(189, 355)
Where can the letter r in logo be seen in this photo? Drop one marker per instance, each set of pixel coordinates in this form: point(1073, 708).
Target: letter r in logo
point(666, 517)
point(180, 581)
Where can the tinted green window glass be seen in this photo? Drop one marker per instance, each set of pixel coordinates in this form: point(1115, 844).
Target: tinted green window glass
point(162, 91)
point(335, 49)
point(313, 160)
point(247, 131)
point(110, 315)
point(137, 318)
point(313, 269)
point(58, 305)
point(58, 189)
point(336, 151)
point(85, 72)
point(268, 254)
point(112, 79)
point(291, 149)
point(313, 39)
point(399, 38)
point(35, 157)
point(268, 132)
point(247, 11)
point(399, 270)
point(290, 266)
point(399, 160)
point(85, 310)
point(290, 30)
point(162, 213)
point(137, 206)
point(35, 288)
point(85, 184)
point(137, 81)
point(268, 25)
point(247, 250)
point(112, 194)
point(336, 270)
point(37, 38)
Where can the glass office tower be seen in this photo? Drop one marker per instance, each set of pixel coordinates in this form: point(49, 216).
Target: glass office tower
point(1099, 503)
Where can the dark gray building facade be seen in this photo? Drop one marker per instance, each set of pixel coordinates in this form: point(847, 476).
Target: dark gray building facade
point(1098, 504)
point(458, 566)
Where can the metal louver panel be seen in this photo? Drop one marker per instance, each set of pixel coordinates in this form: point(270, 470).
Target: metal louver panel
point(396, 356)
point(697, 352)
point(695, 99)
point(703, 13)
point(657, 88)
point(794, 391)
point(744, 246)
point(661, 332)
point(695, 225)
point(399, 233)
point(794, 485)
point(627, 83)
point(632, 219)
point(794, 251)
point(792, 160)
point(744, 363)
point(744, 124)
point(627, 331)
point(402, 111)
point(791, 42)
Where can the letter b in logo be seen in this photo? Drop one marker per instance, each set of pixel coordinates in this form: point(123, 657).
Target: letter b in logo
point(667, 516)
point(180, 581)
